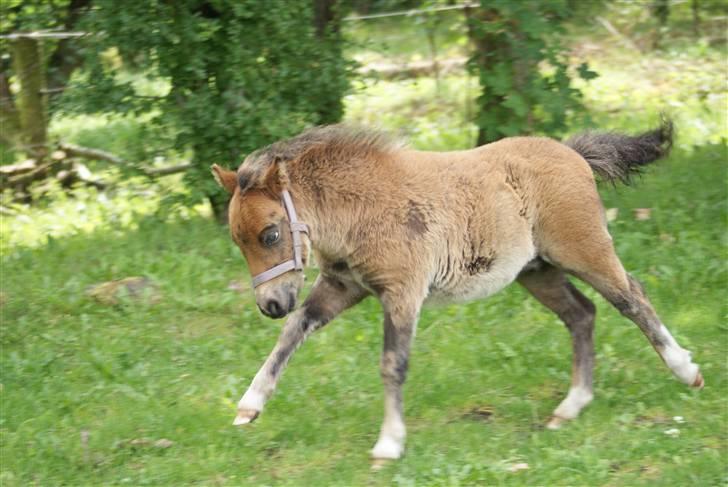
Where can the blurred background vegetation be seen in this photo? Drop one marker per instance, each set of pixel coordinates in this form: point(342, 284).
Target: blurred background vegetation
point(161, 88)
point(111, 114)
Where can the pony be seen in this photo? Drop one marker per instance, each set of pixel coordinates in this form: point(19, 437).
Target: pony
point(411, 227)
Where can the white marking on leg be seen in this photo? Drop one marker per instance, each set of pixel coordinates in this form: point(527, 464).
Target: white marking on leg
point(390, 444)
point(252, 399)
point(573, 403)
point(391, 440)
point(678, 359)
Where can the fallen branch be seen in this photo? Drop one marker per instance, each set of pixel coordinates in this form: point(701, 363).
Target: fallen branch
point(4, 210)
point(165, 171)
point(88, 153)
point(21, 167)
point(414, 69)
point(101, 155)
point(19, 176)
point(613, 30)
point(37, 173)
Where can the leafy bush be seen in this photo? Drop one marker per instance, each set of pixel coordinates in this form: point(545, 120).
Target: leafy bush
point(526, 87)
point(242, 73)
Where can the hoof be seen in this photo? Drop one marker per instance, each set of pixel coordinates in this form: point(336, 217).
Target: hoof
point(380, 463)
point(387, 448)
point(699, 383)
point(556, 422)
point(245, 416)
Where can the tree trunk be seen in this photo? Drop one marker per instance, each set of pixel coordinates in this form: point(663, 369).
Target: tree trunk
point(488, 50)
point(219, 207)
point(327, 25)
point(661, 10)
point(9, 117)
point(695, 6)
point(29, 69)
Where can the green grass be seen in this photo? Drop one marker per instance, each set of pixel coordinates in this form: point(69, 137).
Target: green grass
point(72, 367)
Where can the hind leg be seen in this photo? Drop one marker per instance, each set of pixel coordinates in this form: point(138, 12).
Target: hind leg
point(588, 253)
point(550, 286)
point(632, 302)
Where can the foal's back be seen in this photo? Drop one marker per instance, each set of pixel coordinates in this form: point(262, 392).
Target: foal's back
point(496, 208)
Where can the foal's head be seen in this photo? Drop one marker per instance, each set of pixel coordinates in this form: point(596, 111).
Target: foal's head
point(260, 227)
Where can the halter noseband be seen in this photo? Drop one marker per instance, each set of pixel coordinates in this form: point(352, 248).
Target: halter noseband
point(297, 228)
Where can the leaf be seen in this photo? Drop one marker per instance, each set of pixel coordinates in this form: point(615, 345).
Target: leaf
point(586, 73)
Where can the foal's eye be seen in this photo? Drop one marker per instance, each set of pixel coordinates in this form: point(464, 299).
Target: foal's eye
point(270, 236)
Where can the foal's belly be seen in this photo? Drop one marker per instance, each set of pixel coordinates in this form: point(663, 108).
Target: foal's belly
point(466, 287)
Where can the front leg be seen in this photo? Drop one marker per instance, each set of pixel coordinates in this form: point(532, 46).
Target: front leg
point(399, 326)
point(328, 297)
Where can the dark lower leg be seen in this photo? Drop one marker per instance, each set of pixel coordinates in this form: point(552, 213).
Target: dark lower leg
point(395, 357)
point(551, 287)
point(634, 304)
point(327, 299)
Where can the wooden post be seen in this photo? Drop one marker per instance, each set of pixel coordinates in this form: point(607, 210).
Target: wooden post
point(29, 68)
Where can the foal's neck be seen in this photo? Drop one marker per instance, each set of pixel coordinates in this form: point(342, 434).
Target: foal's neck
point(327, 224)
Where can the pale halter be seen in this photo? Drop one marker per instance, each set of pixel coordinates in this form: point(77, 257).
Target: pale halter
point(297, 228)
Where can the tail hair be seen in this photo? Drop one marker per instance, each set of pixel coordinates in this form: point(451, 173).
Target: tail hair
point(617, 157)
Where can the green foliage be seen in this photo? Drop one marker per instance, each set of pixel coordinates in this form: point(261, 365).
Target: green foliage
point(242, 74)
point(523, 73)
point(29, 15)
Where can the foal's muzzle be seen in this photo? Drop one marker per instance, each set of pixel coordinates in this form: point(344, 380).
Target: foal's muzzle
point(280, 306)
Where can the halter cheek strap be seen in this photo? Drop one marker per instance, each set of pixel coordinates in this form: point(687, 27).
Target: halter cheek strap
point(297, 228)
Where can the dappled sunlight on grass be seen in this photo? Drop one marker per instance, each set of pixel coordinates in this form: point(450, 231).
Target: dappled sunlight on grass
point(86, 210)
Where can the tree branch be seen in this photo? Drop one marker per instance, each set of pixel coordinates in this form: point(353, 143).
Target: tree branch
point(87, 153)
point(613, 30)
point(165, 171)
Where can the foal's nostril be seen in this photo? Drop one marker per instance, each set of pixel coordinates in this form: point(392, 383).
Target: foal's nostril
point(274, 309)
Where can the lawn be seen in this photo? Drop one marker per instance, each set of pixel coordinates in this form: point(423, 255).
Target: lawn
point(144, 393)
point(88, 389)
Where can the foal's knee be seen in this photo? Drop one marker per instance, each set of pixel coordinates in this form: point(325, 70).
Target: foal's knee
point(393, 367)
point(630, 300)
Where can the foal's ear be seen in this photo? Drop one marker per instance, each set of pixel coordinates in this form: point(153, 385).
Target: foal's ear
point(274, 177)
point(225, 178)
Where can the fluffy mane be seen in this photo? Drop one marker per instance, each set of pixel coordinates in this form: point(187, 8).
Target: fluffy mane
point(330, 143)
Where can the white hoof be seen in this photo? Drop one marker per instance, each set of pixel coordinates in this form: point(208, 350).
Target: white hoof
point(689, 373)
point(573, 403)
point(680, 362)
point(555, 423)
point(699, 382)
point(245, 416)
point(387, 448)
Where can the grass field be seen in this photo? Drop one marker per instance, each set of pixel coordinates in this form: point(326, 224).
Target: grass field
point(87, 389)
point(145, 393)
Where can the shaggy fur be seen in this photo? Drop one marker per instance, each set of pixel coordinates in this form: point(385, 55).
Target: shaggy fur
point(616, 157)
point(413, 227)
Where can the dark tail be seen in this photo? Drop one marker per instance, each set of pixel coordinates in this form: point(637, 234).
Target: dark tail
point(617, 157)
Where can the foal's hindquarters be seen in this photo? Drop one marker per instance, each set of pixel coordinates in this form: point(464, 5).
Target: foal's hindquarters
point(571, 238)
